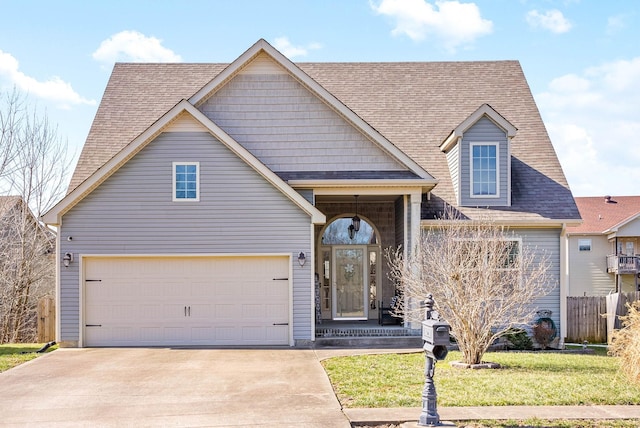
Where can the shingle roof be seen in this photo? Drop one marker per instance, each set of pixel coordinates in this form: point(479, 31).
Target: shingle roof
point(600, 213)
point(414, 105)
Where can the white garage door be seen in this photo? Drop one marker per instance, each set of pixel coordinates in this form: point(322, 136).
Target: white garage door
point(186, 301)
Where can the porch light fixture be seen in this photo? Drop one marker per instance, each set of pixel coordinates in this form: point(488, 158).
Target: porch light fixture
point(67, 259)
point(301, 259)
point(355, 221)
point(352, 231)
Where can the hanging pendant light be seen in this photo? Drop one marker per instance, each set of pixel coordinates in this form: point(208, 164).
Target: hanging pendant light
point(351, 230)
point(355, 221)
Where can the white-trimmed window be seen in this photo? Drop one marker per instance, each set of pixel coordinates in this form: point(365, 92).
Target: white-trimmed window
point(584, 244)
point(186, 181)
point(484, 165)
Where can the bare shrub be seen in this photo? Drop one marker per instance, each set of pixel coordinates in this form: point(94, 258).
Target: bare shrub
point(483, 279)
point(625, 343)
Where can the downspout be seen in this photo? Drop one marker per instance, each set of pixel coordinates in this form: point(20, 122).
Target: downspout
point(617, 277)
point(564, 283)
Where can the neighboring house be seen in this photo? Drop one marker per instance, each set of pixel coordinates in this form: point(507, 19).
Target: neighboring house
point(603, 251)
point(27, 269)
point(210, 199)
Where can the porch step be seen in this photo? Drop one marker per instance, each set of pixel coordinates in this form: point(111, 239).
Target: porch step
point(369, 342)
point(367, 337)
point(364, 332)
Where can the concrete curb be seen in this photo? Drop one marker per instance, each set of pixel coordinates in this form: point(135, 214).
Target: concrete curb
point(410, 414)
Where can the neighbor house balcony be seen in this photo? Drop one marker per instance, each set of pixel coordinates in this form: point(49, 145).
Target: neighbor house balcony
point(623, 264)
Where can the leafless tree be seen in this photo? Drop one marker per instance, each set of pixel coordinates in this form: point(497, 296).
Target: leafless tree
point(34, 163)
point(483, 279)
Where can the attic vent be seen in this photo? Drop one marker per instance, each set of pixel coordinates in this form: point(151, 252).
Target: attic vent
point(608, 200)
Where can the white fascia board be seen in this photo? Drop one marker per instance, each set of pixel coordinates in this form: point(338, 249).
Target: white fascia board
point(483, 110)
point(53, 216)
point(377, 191)
point(622, 223)
point(326, 96)
point(451, 140)
point(360, 183)
point(542, 223)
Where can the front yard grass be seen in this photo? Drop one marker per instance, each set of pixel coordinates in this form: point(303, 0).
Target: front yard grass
point(14, 354)
point(526, 378)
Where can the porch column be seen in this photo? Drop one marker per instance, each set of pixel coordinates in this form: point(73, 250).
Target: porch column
point(414, 226)
point(415, 205)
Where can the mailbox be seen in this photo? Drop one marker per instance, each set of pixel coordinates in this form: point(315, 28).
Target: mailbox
point(435, 334)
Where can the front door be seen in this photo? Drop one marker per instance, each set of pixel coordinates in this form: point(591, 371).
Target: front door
point(350, 284)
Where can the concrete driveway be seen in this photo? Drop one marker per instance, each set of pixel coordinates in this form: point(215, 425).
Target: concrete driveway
point(170, 387)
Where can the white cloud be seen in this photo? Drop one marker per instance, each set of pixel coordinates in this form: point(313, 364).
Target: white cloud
point(54, 89)
point(287, 49)
point(453, 23)
point(132, 46)
point(593, 122)
point(615, 24)
point(552, 20)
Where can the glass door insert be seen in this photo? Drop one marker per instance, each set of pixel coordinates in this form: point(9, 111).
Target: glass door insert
point(350, 285)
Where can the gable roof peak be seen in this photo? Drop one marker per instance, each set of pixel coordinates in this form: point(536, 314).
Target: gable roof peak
point(485, 110)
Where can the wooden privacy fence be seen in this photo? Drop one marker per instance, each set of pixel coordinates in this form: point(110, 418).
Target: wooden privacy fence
point(46, 320)
point(585, 320)
point(592, 318)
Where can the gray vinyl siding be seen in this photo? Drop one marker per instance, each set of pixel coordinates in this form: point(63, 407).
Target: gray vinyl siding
point(588, 269)
point(307, 194)
point(484, 131)
point(453, 159)
point(132, 213)
point(546, 241)
point(277, 120)
point(631, 229)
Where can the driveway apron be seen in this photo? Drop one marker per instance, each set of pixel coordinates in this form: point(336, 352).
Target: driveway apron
point(170, 387)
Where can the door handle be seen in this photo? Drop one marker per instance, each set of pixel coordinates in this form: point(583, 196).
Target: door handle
point(189, 310)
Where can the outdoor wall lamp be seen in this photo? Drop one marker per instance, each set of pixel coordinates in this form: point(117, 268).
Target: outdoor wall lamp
point(301, 259)
point(67, 259)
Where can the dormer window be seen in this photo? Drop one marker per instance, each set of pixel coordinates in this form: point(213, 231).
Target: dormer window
point(479, 157)
point(484, 170)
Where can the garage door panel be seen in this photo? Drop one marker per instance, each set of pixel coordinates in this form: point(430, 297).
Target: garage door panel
point(182, 301)
point(151, 335)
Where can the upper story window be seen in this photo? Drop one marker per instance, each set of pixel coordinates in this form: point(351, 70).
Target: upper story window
point(484, 170)
point(186, 181)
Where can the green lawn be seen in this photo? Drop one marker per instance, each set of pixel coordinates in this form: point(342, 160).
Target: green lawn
point(14, 354)
point(526, 378)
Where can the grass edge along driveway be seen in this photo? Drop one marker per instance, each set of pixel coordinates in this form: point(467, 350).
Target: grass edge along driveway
point(526, 378)
point(14, 354)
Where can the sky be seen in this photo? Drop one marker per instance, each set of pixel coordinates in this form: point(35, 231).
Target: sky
point(581, 58)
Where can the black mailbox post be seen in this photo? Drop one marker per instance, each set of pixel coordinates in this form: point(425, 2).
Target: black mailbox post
point(435, 334)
